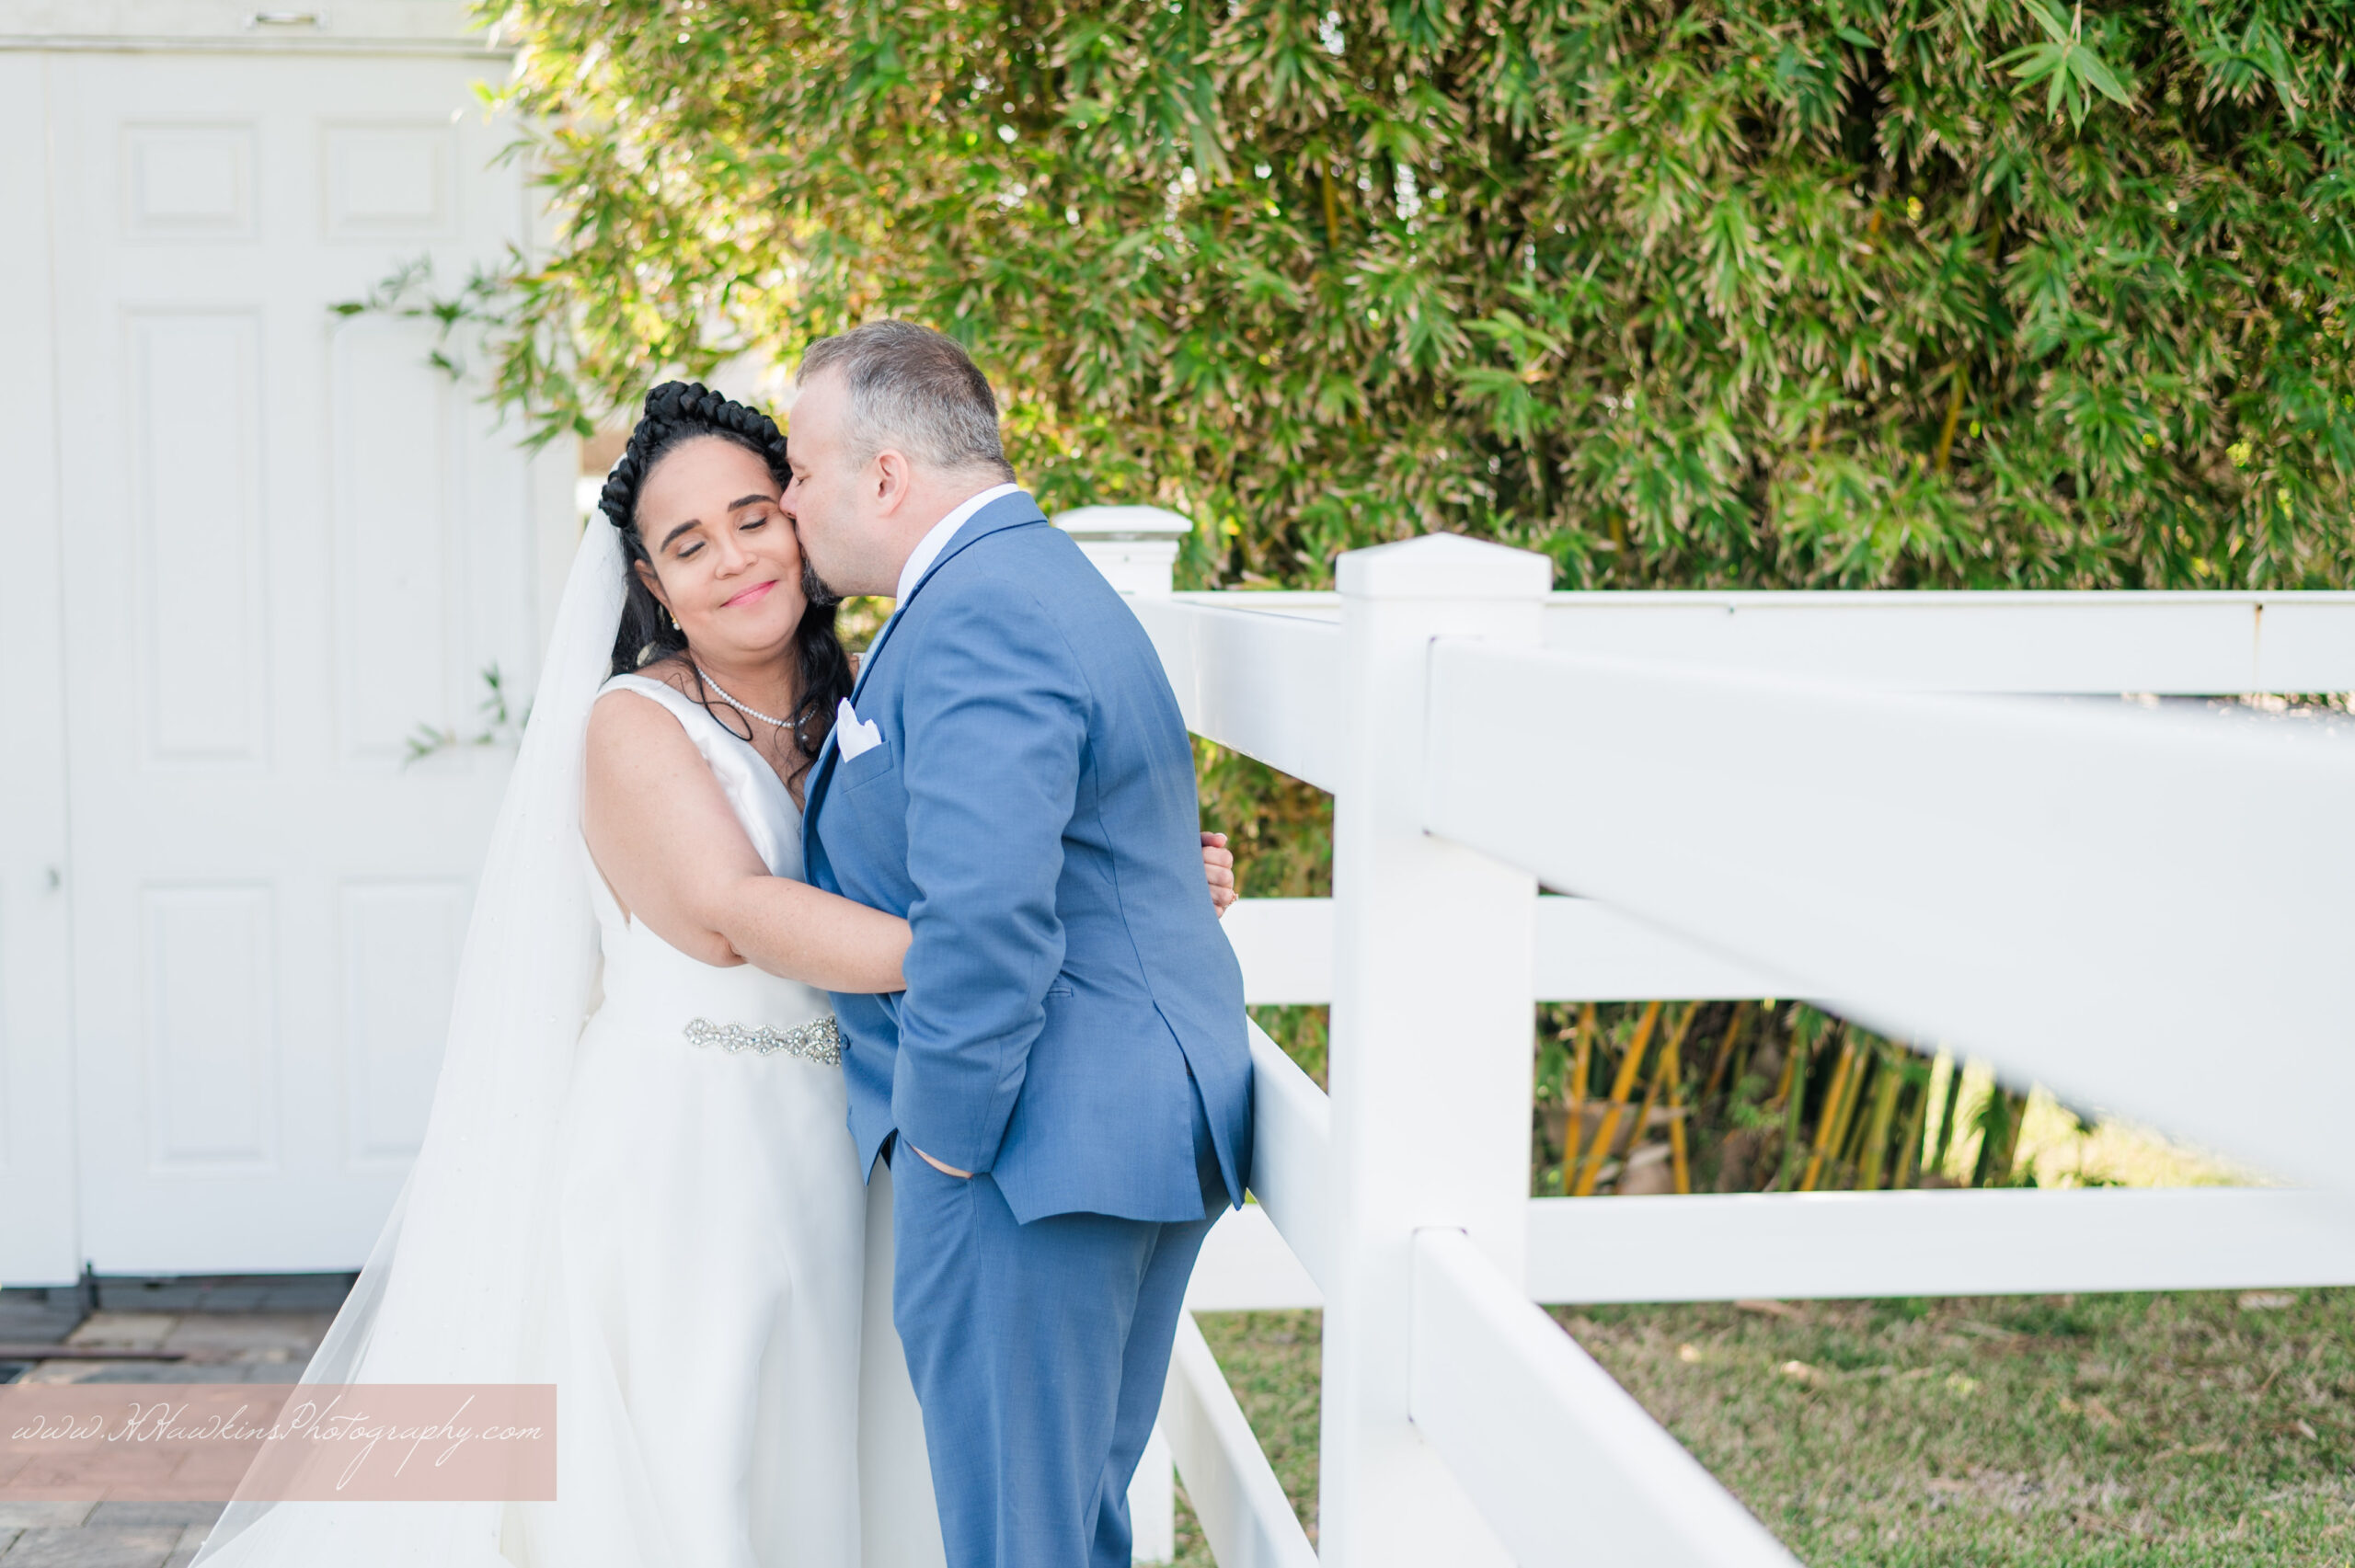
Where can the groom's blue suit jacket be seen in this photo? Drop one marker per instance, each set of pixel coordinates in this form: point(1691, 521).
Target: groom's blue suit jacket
point(1032, 812)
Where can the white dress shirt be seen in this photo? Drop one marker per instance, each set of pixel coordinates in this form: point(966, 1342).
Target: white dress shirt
point(929, 547)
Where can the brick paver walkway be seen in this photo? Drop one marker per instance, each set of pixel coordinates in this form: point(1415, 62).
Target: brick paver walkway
point(259, 1329)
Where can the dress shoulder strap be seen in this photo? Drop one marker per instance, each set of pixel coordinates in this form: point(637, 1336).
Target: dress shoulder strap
point(760, 800)
point(688, 712)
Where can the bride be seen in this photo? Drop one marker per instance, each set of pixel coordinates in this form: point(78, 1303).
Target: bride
point(659, 1210)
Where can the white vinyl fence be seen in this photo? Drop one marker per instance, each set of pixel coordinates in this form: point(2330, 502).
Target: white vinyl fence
point(1875, 801)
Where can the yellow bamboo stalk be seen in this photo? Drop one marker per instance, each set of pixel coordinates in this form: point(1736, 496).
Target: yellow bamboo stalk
point(1960, 379)
point(1885, 1092)
point(1619, 1087)
point(1848, 1139)
point(2015, 1111)
point(1823, 1118)
point(1574, 1124)
point(1909, 1147)
point(1725, 1048)
point(1676, 1103)
point(1653, 1091)
point(1848, 1133)
point(1790, 1066)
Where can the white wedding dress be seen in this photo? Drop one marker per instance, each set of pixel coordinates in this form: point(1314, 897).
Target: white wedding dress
point(703, 1316)
point(658, 1209)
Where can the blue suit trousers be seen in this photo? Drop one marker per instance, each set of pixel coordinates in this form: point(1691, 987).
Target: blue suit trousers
point(1039, 1352)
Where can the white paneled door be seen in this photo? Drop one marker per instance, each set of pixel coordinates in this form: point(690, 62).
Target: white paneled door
point(287, 542)
point(37, 1226)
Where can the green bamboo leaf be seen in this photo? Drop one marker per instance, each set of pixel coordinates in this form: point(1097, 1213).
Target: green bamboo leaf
point(2033, 63)
point(2090, 67)
point(2060, 32)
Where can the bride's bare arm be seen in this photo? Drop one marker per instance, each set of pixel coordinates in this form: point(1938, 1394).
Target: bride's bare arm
point(663, 833)
point(669, 845)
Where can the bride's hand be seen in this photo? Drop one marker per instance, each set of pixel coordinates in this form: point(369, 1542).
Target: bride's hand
point(1218, 867)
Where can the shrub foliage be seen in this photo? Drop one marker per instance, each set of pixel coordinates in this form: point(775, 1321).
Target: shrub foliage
point(1994, 292)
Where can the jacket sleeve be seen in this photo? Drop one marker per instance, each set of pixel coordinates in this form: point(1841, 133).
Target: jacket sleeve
point(992, 735)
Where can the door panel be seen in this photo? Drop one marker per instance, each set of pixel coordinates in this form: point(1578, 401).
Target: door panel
point(289, 543)
point(208, 956)
point(202, 607)
point(38, 1240)
point(400, 966)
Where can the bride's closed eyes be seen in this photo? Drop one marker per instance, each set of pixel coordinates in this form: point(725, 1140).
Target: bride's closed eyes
point(757, 512)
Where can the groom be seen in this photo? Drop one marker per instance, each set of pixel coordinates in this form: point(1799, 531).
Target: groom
point(1063, 1090)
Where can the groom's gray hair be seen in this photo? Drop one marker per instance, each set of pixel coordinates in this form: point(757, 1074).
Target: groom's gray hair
point(914, 389)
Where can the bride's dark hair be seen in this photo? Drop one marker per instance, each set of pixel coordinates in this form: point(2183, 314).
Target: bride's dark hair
point(677, 412)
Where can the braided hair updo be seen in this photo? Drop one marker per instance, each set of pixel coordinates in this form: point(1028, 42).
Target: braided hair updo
point(677, 412)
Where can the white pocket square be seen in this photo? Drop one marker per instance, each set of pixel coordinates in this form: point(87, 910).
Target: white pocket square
point(853, 735)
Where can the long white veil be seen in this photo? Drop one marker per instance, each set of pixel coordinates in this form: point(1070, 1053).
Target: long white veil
point(447, 1289)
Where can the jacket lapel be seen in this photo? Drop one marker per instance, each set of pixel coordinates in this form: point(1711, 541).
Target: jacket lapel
point(1007, 512)
point(812, 794)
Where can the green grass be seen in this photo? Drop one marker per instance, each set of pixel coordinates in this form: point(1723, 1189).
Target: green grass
point(1270, 1362)
point(1992, 1432)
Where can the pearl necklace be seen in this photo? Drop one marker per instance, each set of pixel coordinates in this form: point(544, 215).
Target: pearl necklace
point(792, 723)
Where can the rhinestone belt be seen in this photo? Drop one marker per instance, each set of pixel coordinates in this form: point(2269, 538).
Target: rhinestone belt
point(819, 1041)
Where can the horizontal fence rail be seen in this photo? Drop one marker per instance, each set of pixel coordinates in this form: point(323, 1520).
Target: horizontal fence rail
point(1260, 682)
point(1563, 1462)
point(1245, 1518)
point(2165, 644)
point(1837, 1246)
point(1292, 1149)
point(2091, 899)
point(1585, 952)
point(1785, 1246)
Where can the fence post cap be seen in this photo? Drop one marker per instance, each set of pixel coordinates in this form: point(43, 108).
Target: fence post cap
point(1445, 565)
point(1123, 523)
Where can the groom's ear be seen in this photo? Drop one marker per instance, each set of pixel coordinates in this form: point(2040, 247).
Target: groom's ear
point(892, 476)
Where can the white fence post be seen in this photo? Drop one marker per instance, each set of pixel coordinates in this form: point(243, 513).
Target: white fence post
point(1432, 1044)
point(1136, 549)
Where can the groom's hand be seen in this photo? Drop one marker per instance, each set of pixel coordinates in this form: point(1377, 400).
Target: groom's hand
point(944, 1169)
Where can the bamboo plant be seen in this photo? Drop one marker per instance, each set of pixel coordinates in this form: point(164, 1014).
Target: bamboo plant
point(1794, 1100)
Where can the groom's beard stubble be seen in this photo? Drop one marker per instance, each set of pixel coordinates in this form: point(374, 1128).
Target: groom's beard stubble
point(814, 587)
